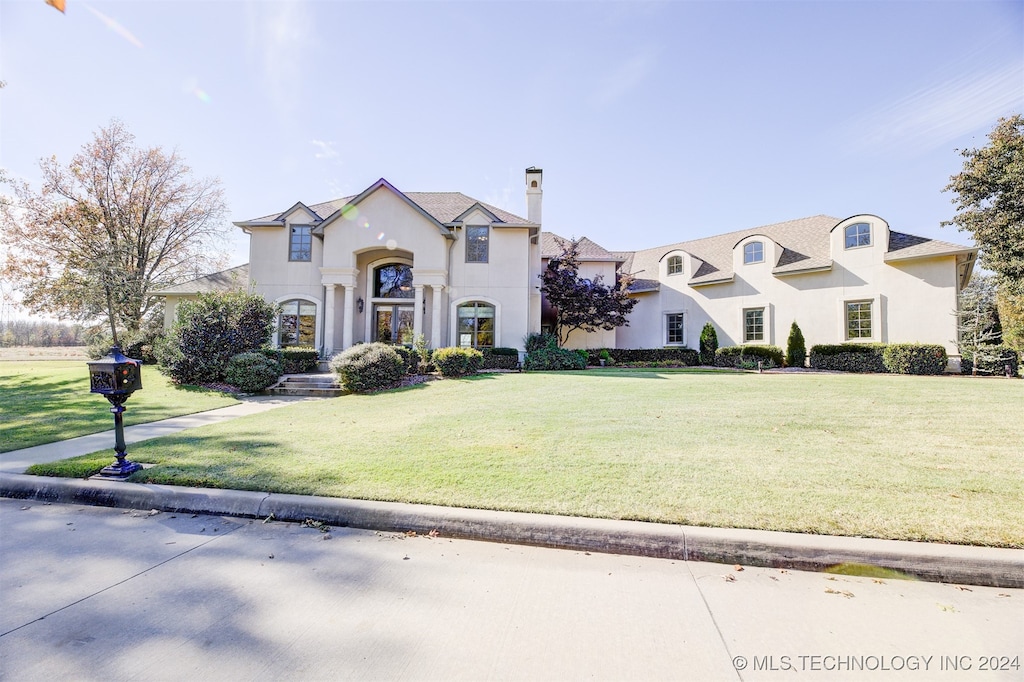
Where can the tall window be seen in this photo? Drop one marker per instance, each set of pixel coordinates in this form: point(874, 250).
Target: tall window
point(296, 325)
point(753, 324)
point(753, 253)
point(858, 320)
point(674, 328)
point(476, 325)
point(675, 265)
point(300, 243)
point(477, 237)
point(858, 234)
point(393, 281)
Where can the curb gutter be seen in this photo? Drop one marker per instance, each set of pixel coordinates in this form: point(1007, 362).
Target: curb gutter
point(990, 566)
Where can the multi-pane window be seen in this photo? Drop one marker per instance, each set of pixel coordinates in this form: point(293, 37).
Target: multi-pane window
point(753, 324)
point(477, 237)
point(296, 325)
point(675, 265)
point(674, 328)
point(858, 320)
point(393, 281)
point(300, 243)
point(476, 325)
point(753, 253)
point(858, 234)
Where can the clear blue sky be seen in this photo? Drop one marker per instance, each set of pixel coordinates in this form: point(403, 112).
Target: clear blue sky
point(654, 122)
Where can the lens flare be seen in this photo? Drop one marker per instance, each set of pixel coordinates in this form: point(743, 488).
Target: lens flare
point(380, 236)
point(349, 212)
point(391, 244)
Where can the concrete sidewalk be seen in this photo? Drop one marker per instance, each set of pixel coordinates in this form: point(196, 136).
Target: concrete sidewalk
point(926, 561)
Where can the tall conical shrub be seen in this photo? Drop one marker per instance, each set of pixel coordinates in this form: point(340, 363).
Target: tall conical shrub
point(708, 344)
point(796, 350)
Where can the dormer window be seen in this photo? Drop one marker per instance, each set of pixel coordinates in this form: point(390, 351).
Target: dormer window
point(675, 265)
point(753, 253)
point(858, 234)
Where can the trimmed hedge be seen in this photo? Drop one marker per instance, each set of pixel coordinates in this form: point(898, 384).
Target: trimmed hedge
point(1004, 355)
point(848, 357)
point(500, 358)
point(369, 367)
point(553, 359)
point(914, 358)
point(457, 362)
point(294, 359)
point(686, 357)
point(252, 371)
point(746, 357)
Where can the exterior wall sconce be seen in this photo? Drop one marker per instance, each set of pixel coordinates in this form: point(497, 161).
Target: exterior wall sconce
point(359, 304)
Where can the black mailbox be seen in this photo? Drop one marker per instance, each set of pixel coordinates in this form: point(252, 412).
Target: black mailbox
point(115, 374)
point(116, 377)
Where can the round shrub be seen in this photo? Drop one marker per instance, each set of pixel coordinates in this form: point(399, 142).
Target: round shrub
point(369, 367)
point(457, 362)
point(252, 371)
point(410, 357)
point(553, 359)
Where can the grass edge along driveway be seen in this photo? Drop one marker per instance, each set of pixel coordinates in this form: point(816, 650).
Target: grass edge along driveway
point(912, 458)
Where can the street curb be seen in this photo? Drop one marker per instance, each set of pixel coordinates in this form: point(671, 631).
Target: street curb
point(990, 566)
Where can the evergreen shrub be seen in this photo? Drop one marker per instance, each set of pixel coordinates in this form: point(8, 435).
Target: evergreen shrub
point(914, 358)
point(848, 357)
point(997, 357)
point(457, 362)
point(746, 357)
point(252, 371)
point(708, 344)
point(796, 349)
point(294, 359)
point(686, 357)
point(500, 358)
point(369, 367)
point(553, 359)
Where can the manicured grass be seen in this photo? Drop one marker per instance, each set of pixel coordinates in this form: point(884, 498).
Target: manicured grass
point(48, 401)
point(917, 458)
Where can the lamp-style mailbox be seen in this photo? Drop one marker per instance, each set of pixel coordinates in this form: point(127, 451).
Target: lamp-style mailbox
point(116, 377)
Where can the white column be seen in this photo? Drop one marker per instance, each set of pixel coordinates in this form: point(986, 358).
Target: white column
point(350, 317)
point(417, 312)
point(328, 320)
point(435, 316)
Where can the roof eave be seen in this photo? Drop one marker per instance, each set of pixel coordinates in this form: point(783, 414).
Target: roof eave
point(893, 256)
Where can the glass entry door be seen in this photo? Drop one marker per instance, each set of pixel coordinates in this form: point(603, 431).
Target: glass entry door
point(393, 324)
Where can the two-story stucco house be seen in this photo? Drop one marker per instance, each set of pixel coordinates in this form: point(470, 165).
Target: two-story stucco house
point(388, 265)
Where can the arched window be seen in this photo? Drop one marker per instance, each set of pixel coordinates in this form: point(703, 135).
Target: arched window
point(858, 234)
point(753, 253)
point(675, 265)
point(296, 325)
point(393, 281)
point(476, 325)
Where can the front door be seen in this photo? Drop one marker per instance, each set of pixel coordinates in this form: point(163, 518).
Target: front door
point(394, 324)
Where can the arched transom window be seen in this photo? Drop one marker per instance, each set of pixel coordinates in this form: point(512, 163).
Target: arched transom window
point(858, 234)
point(296, 324)
point(476, 325)
point(393, 281)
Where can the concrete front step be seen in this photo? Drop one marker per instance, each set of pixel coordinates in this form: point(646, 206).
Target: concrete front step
point(323, 385)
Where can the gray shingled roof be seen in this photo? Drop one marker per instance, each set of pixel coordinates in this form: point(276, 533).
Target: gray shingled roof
point(444, 207)
point(552, 245)
point(225, 280)
point(906, 246)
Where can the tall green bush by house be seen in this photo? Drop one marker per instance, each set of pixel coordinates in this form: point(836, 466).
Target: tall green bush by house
point(708, 344)
point(252, 371)
point(369, 367)
point(796, 349)
point(209, 330)
point(456, 362)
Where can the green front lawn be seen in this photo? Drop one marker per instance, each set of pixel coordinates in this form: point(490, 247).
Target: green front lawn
point(49, 401)
point(918, 458)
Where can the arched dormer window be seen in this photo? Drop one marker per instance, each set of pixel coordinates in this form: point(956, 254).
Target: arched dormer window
point(675, 265)
point(753, 252)
point(858, 234)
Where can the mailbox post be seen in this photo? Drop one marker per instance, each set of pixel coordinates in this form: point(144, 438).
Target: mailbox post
point(116, 377)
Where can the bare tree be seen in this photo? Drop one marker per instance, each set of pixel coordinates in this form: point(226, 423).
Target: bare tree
point(108, 230)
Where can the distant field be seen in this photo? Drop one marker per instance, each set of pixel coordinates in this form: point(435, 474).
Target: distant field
point(43, 353)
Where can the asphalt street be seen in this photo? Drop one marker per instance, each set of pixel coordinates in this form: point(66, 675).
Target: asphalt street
point(90, 593)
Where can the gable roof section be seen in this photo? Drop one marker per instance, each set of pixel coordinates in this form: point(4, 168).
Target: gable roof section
point(553, 245)
point(443, 208)
point(225, 280)
point(904, 246)
point(387, 186)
